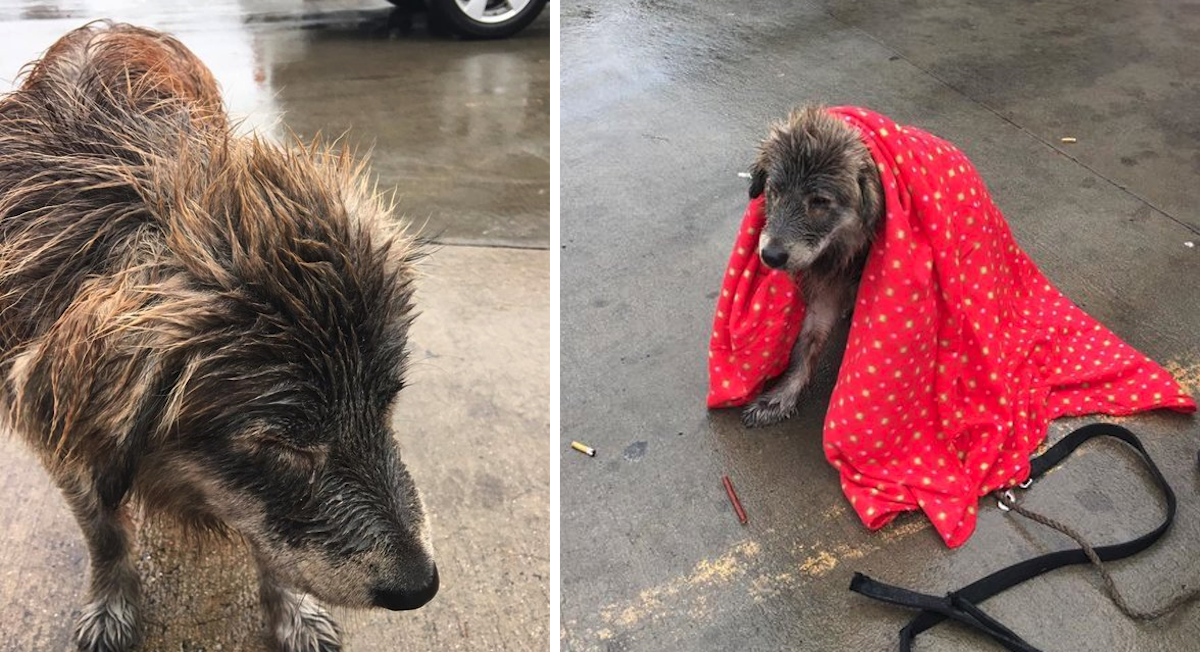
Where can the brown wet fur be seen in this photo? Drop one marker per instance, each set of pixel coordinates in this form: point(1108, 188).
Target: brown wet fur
point(212, 323)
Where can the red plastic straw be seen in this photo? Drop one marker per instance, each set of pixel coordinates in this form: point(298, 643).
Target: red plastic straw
point(737, 504)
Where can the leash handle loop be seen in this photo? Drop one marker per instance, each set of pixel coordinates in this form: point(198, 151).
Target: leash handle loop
point(961, 606)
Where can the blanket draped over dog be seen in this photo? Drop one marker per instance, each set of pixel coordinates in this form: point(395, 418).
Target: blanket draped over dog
point(960, 351)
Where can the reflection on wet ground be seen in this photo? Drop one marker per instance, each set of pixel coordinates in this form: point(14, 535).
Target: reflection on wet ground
point(459, 128)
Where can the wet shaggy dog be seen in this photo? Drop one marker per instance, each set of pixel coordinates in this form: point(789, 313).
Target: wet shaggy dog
point(207, 325)
point(824, 202)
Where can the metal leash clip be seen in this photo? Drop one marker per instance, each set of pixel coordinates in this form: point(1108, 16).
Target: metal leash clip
point(1011, 497)
point(1008, 496)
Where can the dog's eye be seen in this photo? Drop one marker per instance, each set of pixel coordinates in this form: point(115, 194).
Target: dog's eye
point(281, 445)
point(299, 455)
point(819, 201)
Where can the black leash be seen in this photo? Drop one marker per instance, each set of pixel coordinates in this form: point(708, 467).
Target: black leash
point(961, 606)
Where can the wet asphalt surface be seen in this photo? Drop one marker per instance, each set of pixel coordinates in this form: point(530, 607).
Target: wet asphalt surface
point(662, 103)
point(461, 129)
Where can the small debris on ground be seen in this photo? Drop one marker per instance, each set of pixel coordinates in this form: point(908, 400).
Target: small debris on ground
point(1189, 244)
point(737, 504)
point(743, 175)
point(583, 448)
point(1069, 139)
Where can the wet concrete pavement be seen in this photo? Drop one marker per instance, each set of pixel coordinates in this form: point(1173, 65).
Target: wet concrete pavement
point(662, 104)
point(461, 129)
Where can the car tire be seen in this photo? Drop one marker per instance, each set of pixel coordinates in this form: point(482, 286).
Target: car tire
point(499, 22)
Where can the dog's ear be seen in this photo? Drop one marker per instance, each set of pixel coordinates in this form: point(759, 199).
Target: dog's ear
point(758, 182)
point(114, 477)
point(870, 189)
point(83, 424)
point(758, 176)
point(96, 387)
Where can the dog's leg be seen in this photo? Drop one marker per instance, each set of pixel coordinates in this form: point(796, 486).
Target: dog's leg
point(111, 619)
point(780, 402)
point(295, 622)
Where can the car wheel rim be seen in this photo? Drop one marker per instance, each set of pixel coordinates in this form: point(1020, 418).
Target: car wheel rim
point(491, 11)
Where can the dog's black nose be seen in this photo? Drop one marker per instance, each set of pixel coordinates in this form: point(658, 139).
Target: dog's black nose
point(774, 256)
point(403, 600)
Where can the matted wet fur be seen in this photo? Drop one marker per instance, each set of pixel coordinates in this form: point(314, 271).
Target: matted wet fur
point(210, 324)
point(824, 202)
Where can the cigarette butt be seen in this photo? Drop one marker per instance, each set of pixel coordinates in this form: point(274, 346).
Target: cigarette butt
point(744, 175)
point(586, 450)
point(737, 504)
point(1068, 139)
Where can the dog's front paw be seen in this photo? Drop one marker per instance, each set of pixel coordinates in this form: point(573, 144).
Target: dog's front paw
point(108, 626)
point(307, 628)
point(767, 410)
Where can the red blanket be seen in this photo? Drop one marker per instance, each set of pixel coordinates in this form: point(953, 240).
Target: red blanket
point(960, 350)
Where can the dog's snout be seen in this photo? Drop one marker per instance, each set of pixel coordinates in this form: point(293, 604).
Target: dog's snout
point(774, 256)
point(408, 597)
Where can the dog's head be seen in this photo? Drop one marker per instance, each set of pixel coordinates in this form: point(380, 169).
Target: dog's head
point(285, 414)
point(280, 418)
point(823, 198)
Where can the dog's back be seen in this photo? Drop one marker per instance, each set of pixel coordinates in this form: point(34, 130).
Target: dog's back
point(78, 141)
